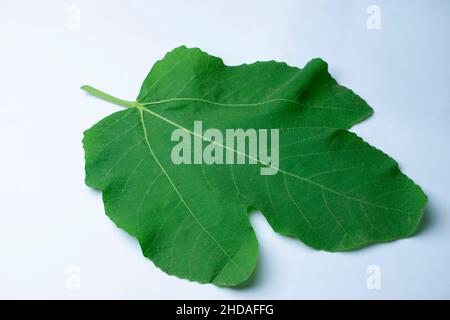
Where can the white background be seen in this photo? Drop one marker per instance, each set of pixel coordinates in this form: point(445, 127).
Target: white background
point(49, 220)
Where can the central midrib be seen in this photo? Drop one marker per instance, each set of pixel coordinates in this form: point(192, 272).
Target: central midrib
point(267, 164)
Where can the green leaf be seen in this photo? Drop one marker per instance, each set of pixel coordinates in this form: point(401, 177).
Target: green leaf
point(331, 190)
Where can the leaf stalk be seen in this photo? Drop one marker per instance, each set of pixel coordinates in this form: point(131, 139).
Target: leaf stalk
point(104, 96)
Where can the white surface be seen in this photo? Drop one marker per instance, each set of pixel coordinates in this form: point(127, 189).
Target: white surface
point(50, 220)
